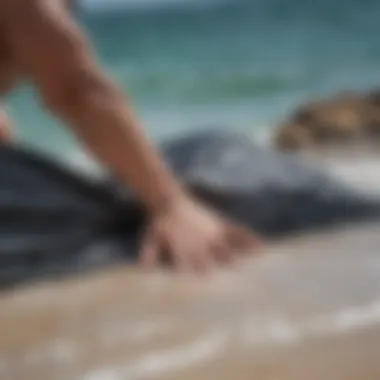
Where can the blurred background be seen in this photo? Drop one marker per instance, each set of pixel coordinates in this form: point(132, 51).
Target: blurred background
point(236, 64)
point(240, 65)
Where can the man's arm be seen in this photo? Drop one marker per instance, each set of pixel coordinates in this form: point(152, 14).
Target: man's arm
point(5, 126)
point(57, 57)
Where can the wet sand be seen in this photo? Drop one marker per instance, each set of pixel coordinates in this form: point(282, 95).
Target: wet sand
point(308, 309)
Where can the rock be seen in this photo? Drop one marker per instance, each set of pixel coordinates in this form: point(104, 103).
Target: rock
point(347, 117)
point(373, 126)
point(372, 113)
point(306, 114)
point(338, 122)
point(55, 222)
point(293, 136)
point(272, 192)
point(373, 97)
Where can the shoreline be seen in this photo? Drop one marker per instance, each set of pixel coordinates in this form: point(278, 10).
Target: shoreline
point(301, 307)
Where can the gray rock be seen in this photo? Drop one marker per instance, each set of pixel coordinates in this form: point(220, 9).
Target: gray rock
point(272, 192)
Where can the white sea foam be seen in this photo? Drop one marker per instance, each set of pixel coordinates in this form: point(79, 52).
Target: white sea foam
point(282, 331)
point(275, 333)
point(249, 333)
point(176, 358)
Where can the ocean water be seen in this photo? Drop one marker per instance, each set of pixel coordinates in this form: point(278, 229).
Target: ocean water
point(244, 65)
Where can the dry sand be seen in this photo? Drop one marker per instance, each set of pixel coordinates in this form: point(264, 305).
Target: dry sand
point(309, 309)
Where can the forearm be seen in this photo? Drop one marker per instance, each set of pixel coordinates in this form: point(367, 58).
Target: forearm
point(107, 126)
point(55, 54)
point(5, 126)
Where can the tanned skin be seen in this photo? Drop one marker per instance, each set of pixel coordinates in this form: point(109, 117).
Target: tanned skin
point(5, 127)
point(41, 42)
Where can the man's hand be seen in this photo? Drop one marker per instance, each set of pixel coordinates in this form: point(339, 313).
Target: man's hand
point(194, 237)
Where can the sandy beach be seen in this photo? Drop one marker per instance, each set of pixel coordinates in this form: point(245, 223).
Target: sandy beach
point(309, 308)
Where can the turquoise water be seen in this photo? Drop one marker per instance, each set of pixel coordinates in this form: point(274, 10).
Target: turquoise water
point(188, 64)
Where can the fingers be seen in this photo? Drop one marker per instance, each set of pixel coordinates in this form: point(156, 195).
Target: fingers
point(204, 260)
point(191, 256)
point(181, 260)
point(201, 253)
point(242, 239)
point(208, 255)
point(223, 252)
point(149, 254)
